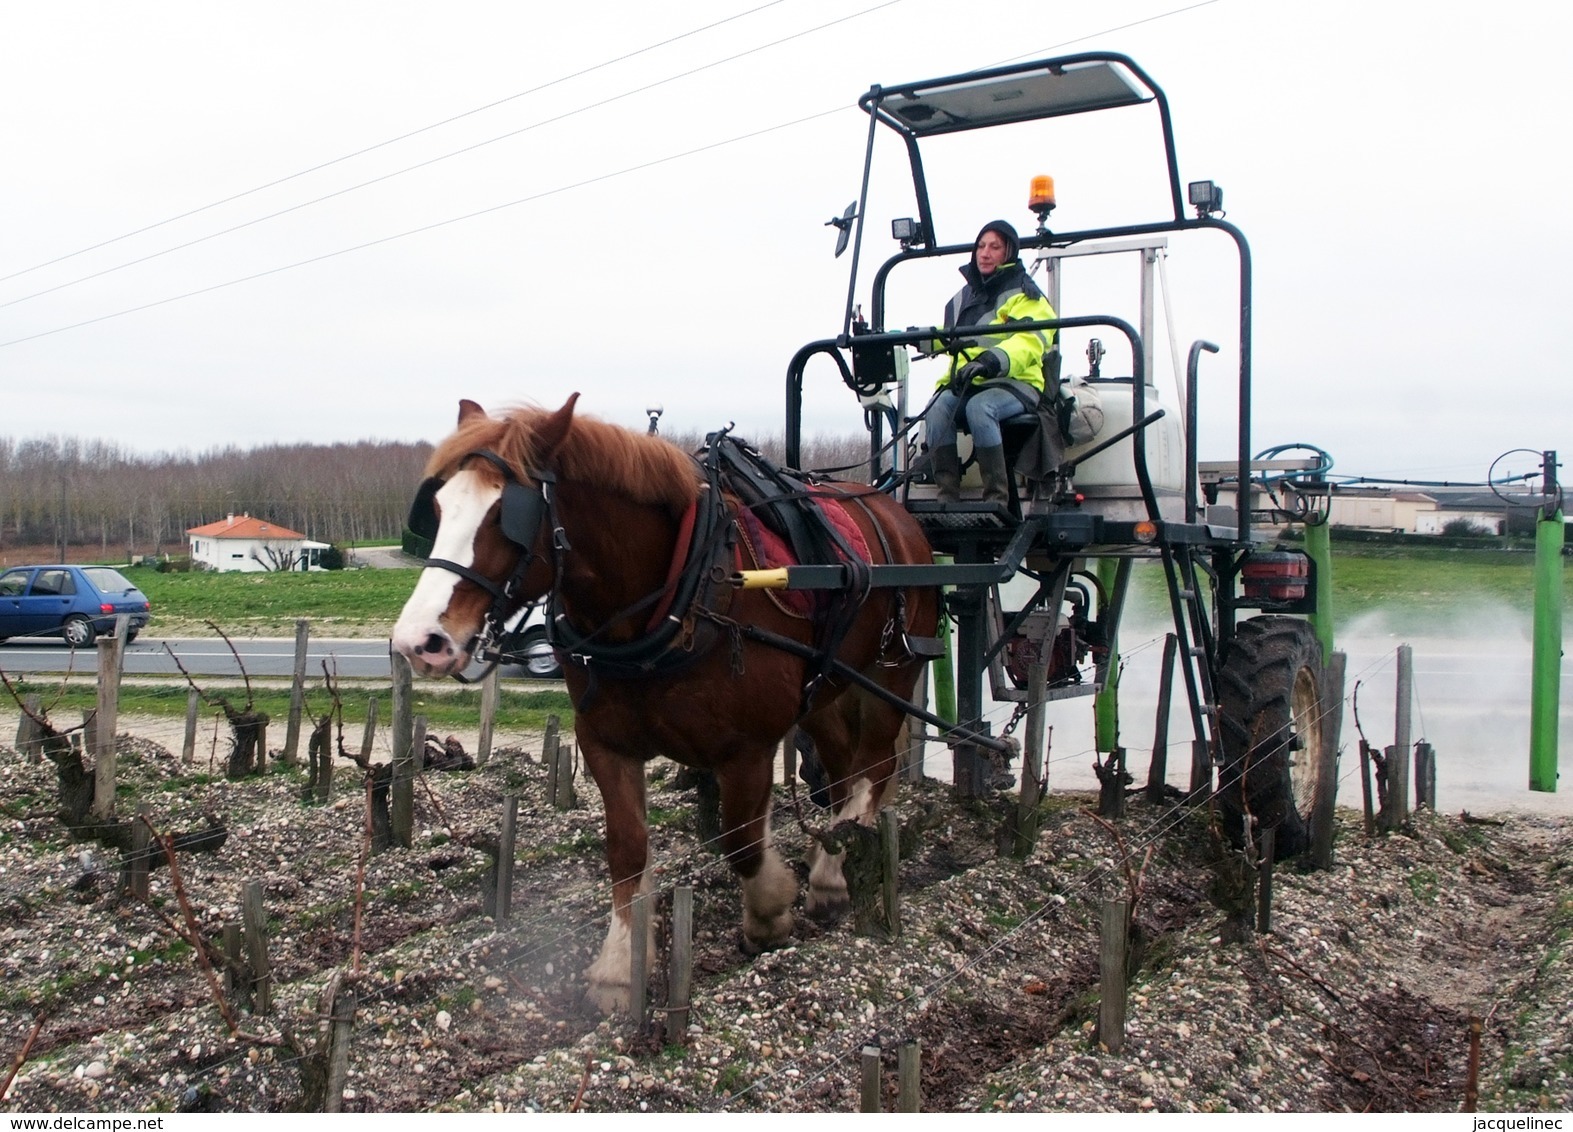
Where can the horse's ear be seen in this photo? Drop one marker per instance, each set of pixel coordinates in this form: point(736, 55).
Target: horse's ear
point(552, 431)
point(468, 409)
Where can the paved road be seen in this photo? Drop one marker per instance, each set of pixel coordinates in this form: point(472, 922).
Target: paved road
point(148, 656)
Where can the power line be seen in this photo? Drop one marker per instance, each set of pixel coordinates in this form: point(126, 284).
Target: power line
point(423, 228)
point(391, 141)
point(508, 204)
point(452, 153)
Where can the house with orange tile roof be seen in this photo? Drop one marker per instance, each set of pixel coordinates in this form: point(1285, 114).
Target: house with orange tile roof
point(246, 543)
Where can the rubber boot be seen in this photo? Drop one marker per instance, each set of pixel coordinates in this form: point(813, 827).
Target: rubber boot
point(996, 478)
point(947, 472)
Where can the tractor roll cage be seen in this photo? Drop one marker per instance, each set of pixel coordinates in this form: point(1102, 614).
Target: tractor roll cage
point(1023, 92)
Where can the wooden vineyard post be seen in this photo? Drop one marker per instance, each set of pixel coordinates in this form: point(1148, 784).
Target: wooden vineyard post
point(401, 720)
point(890, 871)
point(869, 1093)
point(1264, 881)
point(1111, 965)
point(639, 961)
point(1396, 812)
point(401, 791)
point(188, 747)
point(29, 735)
point(549, 741)
point(909, 1085)
point(255, 917)
point(505, 846)
point(370, 734)
point(342, 1015)
point(1111, 785)
point(297, 694)
point(682, 973)
point(562, 778)
point(1425, 776)
point(489, 694)
point(1158, 768)
point(237, 983)
point(138, 860)
point(1323, 815)
point(1201, 771)
point(107, 720)
point(1365, 788)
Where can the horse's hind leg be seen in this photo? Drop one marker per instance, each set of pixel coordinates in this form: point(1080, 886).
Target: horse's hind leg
point(856, 738)
point(622, 784)
point(769, 885)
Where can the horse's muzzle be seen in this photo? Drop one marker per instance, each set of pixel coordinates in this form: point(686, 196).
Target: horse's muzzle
point(433, 653)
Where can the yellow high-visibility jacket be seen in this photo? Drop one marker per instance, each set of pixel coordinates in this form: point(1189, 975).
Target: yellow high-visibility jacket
point(1008, 295)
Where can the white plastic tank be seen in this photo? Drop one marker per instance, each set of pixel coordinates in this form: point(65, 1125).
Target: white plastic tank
point(1108, 478)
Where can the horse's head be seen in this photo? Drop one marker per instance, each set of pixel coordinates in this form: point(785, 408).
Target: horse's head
point(486, 506)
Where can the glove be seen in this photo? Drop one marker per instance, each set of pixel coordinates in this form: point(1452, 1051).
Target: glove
point(984, 366)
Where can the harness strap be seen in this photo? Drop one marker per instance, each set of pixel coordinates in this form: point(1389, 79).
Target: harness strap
point(685, 542)
point(472, 576)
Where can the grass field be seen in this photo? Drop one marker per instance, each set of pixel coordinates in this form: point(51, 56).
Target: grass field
point(336, 602)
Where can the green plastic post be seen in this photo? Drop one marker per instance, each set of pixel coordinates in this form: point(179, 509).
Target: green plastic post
point(1106, 707)
point(1546, 667)
point(1319, 546)
point(944, 670)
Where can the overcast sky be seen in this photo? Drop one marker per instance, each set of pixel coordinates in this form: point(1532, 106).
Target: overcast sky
point(566, 210)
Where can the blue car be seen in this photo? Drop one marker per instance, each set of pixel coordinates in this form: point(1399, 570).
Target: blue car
point(74, 602)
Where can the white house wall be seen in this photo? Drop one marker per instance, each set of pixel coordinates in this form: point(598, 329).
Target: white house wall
point(240, 555)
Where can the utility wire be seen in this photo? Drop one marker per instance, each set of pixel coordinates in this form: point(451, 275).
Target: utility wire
point(393, 140)
point(446, 156)
point(423, 228)
point(522, 200)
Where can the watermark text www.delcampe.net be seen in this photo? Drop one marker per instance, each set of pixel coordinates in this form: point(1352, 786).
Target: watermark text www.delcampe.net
point(87, 1123)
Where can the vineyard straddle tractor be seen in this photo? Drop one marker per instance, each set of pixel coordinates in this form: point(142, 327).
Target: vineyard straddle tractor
point(1046, 574)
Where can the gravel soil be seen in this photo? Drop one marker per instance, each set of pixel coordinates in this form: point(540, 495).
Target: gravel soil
point(1359, 998)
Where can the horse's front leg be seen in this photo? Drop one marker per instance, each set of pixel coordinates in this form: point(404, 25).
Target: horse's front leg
point(622, 783)
point(855, 741)
point(769, 885)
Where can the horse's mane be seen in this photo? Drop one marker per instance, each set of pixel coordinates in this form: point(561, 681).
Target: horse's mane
point(645, 469)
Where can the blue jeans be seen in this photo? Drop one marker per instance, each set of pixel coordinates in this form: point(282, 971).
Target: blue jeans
point(985, 411)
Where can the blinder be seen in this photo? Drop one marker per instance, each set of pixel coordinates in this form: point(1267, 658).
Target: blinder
point(520, 513)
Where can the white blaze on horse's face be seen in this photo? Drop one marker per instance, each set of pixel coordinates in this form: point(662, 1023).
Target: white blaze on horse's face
point(423, 632)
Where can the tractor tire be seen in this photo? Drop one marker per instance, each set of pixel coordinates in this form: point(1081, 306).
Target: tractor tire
point(1271, 709)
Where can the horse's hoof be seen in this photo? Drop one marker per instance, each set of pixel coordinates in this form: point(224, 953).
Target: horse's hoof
point(828, 914)
point(609, 998)
point(826, 906)
point(752, 947)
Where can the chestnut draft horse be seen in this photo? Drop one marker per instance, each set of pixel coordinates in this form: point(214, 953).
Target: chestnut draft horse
point(661, 658)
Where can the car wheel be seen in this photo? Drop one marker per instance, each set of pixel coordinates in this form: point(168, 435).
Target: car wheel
point(131, 635)
point(78, 632)
point(539, 663)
